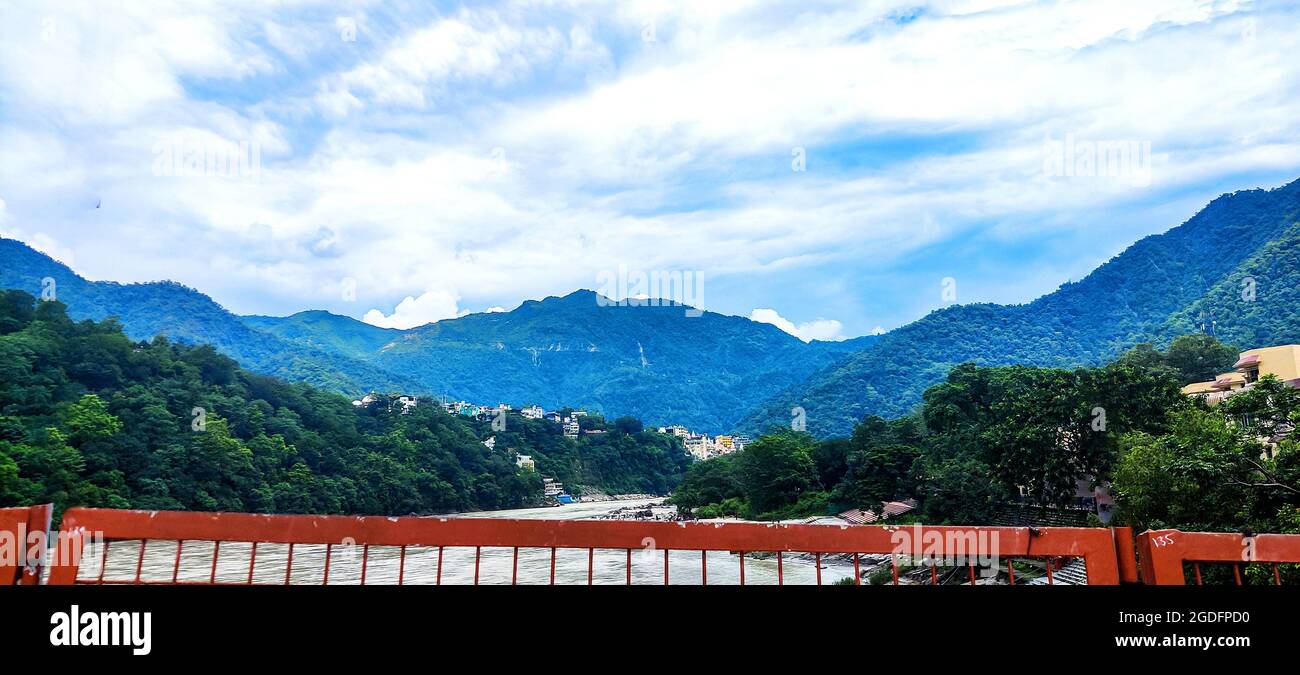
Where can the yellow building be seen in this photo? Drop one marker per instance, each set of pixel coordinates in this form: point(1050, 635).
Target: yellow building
point(1282, 362)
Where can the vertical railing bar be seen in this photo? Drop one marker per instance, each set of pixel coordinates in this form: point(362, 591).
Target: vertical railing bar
point(629, 567)
point(665, 567)
point(817, 560)
point(1196, 569)
point(1277, 578)
point(1050, 581)
point(552, 565)
point(780, 570)
point(1011, 573)
point(893, 565)
point(477, 554)
point(139, 562)
point(970, 569)
point(857, 570)
point(742, 568)
point(103, 561)
point(704, 567)
point(329, 550)
point(288, 567)
point(252, 560)
point(176, 568)
point(591, 565)
point(216, 551)
point(934, 572)
point(514, 568)
point(1236, 572)
point(438, 581)
point(401, 566)
point(365, 560)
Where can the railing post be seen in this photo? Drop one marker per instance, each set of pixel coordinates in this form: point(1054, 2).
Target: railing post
point(1160, 552)
point(1125, 554)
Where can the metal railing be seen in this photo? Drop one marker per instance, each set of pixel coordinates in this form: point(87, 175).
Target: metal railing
point(111, 546)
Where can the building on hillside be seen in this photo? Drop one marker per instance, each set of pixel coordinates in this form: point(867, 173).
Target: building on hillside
point(407, 403)
point(678, 431)
point(889, 510)
point(571, 427)
point(1282, 362)
point(740, 441)
point(533, 412)
point(699, 446)
point(490, 443)
point(366, 400)
point(724, 444)
point(525, 462)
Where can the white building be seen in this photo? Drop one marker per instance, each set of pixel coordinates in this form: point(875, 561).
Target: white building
point(525, 462)
point(571, 427)
point(534, 412)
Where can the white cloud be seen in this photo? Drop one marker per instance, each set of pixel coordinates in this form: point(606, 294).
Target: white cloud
point(821, 329)
point(431, 306)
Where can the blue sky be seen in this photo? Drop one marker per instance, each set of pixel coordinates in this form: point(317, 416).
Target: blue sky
point(825, 166)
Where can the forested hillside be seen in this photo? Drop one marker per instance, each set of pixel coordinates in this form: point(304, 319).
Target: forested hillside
point(89, 416)
point(1130, 299)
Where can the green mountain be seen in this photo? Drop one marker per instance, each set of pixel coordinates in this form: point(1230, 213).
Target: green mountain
point(1153, 291)
point(188, 316)
point(652, 361)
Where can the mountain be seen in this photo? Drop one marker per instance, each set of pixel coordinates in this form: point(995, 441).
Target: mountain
point(1153, 291)
point(188, 316)
point(652, 360)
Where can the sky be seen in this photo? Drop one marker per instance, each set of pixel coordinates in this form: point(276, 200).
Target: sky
point(833, 168)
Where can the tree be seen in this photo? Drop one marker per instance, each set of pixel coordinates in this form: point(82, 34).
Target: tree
point(775, 470)
point(1199, 357)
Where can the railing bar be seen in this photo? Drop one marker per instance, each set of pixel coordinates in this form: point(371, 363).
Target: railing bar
point(1050, 581)
point(970, 568)
point(591, 564)
point(857, 571)
point(665, 567)
point(514, 568)
point(780, 570)
point(893, 565)
point(552, 565)
point(629, 567)
point(439, 578)
point(1196, 568)
point(1236, 572)
point(1277, 578)
point(478, 550)
point(252, 560)
point(704, 567)
point(176, 568)
point(742, 568)
point(401, 566)
point(1011, 573)
point(817, 560)
point(288, 567)
point(365, 559)
point(103, 561)
point(216, 550)
point(139, 562)
point(329, 550)
point(934, 572)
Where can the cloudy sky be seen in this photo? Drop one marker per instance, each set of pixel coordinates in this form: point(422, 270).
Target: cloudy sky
point(829, 167)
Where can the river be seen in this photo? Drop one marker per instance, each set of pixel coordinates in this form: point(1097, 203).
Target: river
point(457, 568)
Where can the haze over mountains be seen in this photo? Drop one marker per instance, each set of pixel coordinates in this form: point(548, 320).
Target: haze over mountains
point(718, 373)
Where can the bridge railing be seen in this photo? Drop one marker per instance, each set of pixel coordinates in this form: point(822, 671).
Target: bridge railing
point(1169, 556)
point(21, 561)
point(109, 546)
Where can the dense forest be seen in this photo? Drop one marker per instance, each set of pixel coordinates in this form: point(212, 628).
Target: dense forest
point(989, 436)
point(90, 417)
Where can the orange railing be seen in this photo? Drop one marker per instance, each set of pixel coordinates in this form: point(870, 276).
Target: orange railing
point(279, 541)
point(21, 564)
point(1166, 554)
point(110, 546)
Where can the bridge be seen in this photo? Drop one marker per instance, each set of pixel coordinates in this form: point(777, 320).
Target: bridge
point(113, 546)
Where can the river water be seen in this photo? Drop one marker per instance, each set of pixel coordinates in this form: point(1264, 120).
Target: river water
point(421, 565)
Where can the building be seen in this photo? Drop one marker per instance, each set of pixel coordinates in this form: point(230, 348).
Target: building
point(699, 446)
point(533, 412)
point(407, 403)
point(571, 427)
point(1282, 362)
point(490, 443)
point(525, 462)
